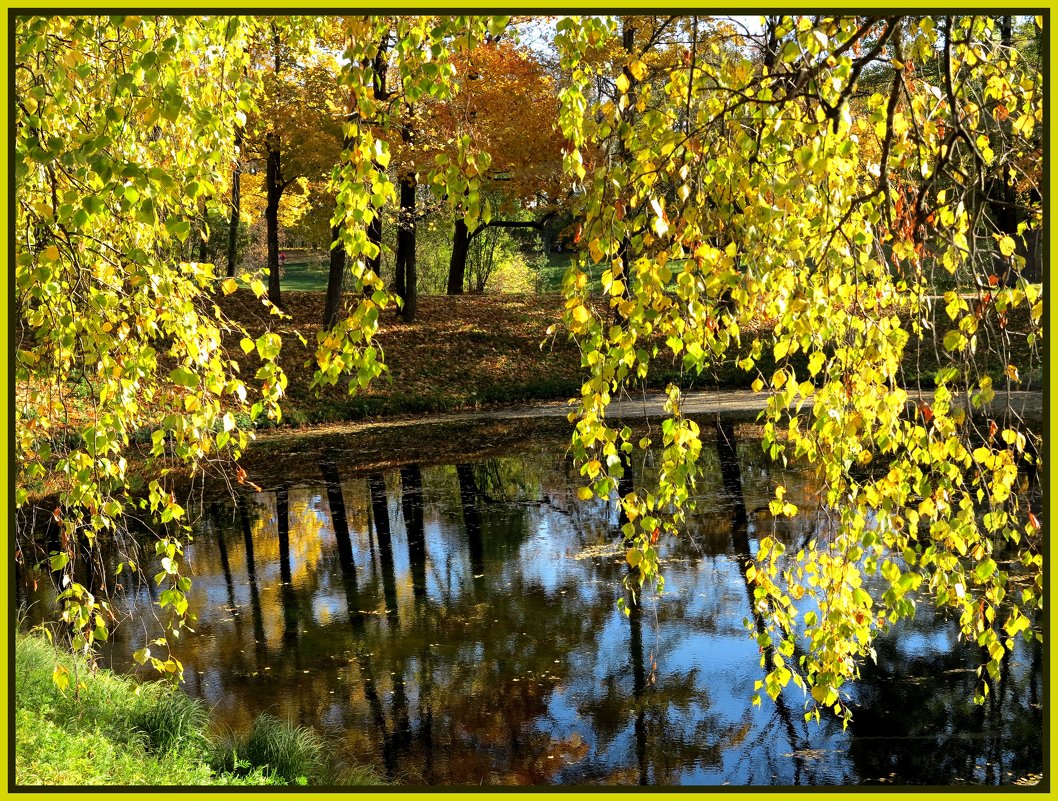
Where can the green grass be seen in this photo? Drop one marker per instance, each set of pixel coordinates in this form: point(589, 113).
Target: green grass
point(106, 729)
point(305, 270)
point(294, 754)
point(308, 271)
point(549, 276)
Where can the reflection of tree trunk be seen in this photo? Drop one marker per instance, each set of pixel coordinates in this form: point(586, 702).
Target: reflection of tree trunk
point(339, 521)
point(283, 527)
point(401, 714)
point(639, 685)
point(370, 687)
point(225, 565)
point(251, 574)
point(425, 731)
point(352, 602)
point(731, 476)
point(411, 502)
point(380, 513)
point(286, 588)
point(468, 493)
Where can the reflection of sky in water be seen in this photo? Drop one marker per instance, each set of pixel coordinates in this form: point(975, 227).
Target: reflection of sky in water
point(528, 672)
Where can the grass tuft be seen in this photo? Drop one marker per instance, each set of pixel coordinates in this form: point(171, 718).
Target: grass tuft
point(294, 754)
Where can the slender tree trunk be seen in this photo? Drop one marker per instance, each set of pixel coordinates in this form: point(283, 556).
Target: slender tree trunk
point(236, 206)
point(203, 245)
point(335, 279)
point(275, 192)
point(625, 155)
point(407, 275)
point(374, 236)
point(457, 265)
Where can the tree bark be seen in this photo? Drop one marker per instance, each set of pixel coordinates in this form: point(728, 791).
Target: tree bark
point(335, 279)
point(374, 236)
point(274, 184)
point(625, 155)
point(457, 265)
point(236, 206)
point(380, 67)
point(407, 276)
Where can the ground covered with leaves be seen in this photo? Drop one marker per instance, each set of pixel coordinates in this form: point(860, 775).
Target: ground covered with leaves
point(462, 352)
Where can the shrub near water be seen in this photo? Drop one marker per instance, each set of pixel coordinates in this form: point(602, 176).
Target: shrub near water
point(104, 729)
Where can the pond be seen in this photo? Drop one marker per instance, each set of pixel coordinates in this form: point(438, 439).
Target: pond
point(452, 618)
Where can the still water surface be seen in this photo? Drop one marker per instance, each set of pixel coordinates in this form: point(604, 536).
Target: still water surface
point(458, 624)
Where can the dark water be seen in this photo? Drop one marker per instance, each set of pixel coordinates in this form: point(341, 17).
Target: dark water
point(458, 624)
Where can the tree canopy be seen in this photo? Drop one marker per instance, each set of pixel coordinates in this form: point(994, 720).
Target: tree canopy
point(868, 184)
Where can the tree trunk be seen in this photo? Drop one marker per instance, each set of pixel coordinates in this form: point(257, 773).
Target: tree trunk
point(275, 192)
point(236, 207)
point(374, 236)
point(335, 279)
point(457, 266)
point(407, 277)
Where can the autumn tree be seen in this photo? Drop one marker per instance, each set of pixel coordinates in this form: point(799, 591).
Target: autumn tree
point(749, 190)
point(713, 188)
point(505, 113)
point(293, 136)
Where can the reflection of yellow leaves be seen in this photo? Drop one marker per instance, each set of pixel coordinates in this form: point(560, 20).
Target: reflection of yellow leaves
point(305, 529)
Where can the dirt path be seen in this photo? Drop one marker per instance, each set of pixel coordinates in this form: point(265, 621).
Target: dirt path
point(740, 404)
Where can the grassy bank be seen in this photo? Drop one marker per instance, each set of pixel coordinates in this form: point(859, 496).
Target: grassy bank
point(105, 729)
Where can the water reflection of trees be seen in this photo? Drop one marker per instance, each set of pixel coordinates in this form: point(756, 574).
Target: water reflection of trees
point(435, 621)
point(916, 721)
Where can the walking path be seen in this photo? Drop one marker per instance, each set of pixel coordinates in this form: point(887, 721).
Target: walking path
point(744, 404)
